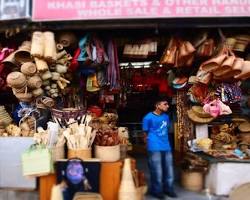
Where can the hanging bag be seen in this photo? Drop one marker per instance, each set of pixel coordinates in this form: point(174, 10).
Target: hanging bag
point(37, 161)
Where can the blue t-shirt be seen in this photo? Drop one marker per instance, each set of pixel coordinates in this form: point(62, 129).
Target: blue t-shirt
point(156, 127)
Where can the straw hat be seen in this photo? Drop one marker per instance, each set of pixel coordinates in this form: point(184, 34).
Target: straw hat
point(242, 192)
point(198, 110)
point(244, 127)
point(198, 119)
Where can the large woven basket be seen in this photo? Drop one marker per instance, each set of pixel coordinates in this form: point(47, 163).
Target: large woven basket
point(192, 180)
point(67, 113)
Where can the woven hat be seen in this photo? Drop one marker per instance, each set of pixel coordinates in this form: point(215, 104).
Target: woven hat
point(242, 192)
point(198, 110)
point(201, 120)
point(244, 127)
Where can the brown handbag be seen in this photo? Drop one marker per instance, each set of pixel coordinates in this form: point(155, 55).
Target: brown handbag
point(185, 54)
point(206, 49)
point(169, 55)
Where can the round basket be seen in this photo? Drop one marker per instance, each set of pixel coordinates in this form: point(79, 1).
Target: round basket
point(108, 153)
point(192, 180)
point(80, 153)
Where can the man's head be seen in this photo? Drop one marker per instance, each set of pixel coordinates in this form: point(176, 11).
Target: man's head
point(161, 104)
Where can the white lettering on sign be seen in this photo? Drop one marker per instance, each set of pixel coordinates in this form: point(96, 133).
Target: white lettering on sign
point(230, 2)
point(66, 5)
point(125, 9)
point(186, 2)
point(142, 11)
point(99, 12)
point(187, 10)
point(235, 10)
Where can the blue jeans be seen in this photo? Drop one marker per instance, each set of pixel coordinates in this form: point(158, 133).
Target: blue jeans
point(161, 171)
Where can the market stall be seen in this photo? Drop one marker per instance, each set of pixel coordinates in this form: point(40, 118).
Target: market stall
point(80, 91)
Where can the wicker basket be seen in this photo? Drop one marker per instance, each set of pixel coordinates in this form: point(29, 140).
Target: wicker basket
point(108, 153)
point(80, 153)
point(31, 120)
point(192, 180)
point(58, 153)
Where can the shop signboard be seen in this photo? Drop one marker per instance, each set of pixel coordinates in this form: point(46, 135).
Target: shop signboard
point(46, 10)
point(14, 9)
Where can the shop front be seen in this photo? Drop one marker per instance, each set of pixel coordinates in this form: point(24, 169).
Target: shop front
point(78, 78)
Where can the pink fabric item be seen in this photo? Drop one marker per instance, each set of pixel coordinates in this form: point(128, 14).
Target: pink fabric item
point(5, 52)
point(213, 108)
point(216, 108)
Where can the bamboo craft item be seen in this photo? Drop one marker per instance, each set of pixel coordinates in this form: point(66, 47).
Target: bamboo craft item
point(37, 44)
point(50, 46)
point(41, 65)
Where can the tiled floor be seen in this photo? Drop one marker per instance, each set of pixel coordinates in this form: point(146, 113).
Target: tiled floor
point(182, 193)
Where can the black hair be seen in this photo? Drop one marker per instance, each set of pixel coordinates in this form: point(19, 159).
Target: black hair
point(161, 98)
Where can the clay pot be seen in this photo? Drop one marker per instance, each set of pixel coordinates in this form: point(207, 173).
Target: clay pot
point(16, 79)
point(28, 68)
point(35, 82)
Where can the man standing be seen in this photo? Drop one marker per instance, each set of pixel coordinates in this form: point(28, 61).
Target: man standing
point(160, 159)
